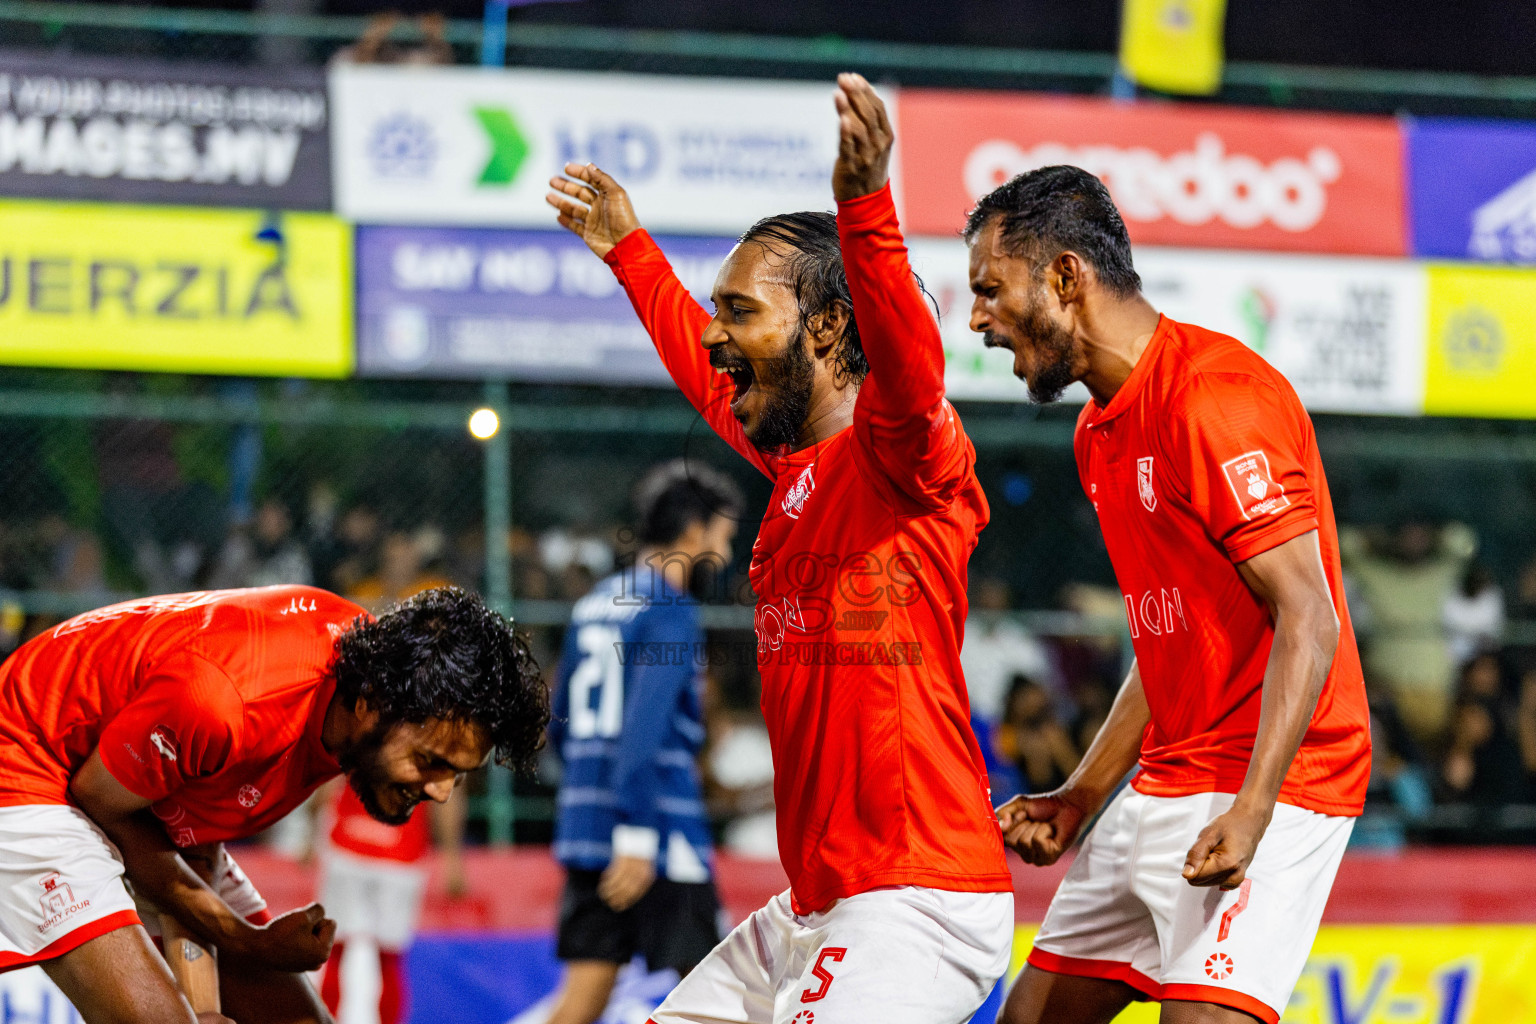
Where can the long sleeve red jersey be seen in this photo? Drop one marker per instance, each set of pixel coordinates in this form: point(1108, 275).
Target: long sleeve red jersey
point(860, 572)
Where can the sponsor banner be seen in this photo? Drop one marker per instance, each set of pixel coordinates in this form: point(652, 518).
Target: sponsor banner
point(1198, 176)
point(1473, 189)
point(526, 305)
point(175, 289)
point(145, 132)
point(469, 146)
point(1482, 341)
point(1398, 974)
point(1347, 333)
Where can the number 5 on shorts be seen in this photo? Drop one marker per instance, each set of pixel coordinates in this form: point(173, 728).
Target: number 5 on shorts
point(833, 953)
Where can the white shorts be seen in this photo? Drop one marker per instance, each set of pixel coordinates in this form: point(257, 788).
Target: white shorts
point(1125, 912)
point(229, 883)
point(373, 897)
point(61, 883)
point(903, 955)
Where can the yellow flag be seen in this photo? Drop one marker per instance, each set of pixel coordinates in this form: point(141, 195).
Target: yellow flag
point(1173, 45)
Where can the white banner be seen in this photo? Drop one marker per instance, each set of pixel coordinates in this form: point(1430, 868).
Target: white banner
point(1347, 333)
point(466, 146)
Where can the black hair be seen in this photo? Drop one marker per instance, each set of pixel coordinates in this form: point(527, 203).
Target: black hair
point(815, 265)
point(1049, 211)
point(675, 494)
point(444, 654)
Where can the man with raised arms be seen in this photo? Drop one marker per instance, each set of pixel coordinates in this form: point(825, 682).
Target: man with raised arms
point(1203, 882)
point(822, 366)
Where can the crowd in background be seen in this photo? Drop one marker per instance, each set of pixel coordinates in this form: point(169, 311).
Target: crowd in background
point(1453, 704)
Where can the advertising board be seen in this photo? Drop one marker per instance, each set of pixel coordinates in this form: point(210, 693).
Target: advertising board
point(1347, 333)
point(1472, 189)
point(177, 289)
point(1482, 341)
point(477, 147)
point(1214, 177)
point(146, 132)
point(510, 304)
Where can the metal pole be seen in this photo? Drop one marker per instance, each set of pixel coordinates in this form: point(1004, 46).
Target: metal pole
point(493, 38)
point(501, 801)
point(498, 504)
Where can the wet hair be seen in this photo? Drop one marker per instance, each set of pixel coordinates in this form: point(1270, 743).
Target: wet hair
point(1047, 212)
point(676, 494)
point(815, 265)
point(444, 654)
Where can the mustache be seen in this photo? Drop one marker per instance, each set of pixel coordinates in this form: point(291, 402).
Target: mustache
point(991, 340)
point(723, 360)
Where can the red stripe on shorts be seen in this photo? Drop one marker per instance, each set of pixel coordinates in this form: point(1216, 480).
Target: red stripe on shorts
point(1110, 970)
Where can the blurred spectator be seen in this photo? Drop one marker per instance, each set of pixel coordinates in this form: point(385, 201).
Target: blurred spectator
point(996, 649)
point(263, 554)
point(1474, 615)
point(1398, 768)
point(1095, 696)
point(738, 774)
point(1525, 724)
point(403, 569)
point(1405, 579)
point(374, 46)
point(356, 555)
point(372, 882)
point(1033, 739)
point(1483, 764)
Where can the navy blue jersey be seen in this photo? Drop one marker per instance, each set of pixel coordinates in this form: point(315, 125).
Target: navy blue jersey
point(628, 723)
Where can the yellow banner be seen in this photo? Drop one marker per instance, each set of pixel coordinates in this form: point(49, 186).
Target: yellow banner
point(1482, 341)
point(175, 289)
point(1400, 974)
point(1173, 45)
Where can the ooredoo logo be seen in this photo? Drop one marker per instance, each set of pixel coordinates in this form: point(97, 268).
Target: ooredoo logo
point(249, 796)
point(1191, 186)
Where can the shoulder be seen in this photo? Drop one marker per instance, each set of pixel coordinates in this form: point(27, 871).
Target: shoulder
point(1204, 371)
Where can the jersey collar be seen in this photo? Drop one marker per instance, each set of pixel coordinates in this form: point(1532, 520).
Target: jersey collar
point(1138, 378)
point(809, 454)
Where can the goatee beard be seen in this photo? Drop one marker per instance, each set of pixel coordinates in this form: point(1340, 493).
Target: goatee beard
point(1056, 351)
point(791, 378)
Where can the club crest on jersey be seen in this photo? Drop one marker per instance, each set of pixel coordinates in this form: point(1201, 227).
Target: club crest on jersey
point(1144, 483)
point(1253, 485)
point(163, 739)
point(799, 491)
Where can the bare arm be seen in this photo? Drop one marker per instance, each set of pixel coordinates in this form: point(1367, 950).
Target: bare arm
point(1291, 581)
point(292, 942)
point(1041, 828)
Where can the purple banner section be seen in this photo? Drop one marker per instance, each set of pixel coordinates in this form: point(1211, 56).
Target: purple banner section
point(469, 303)
point(1473, 189)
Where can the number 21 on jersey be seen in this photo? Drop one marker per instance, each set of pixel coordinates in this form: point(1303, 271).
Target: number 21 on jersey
point(597, 684)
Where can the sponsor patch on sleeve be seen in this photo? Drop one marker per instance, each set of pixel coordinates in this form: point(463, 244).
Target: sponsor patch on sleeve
point(1253, 486)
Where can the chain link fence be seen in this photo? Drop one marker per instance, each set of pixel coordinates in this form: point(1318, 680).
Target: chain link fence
point(119, 485)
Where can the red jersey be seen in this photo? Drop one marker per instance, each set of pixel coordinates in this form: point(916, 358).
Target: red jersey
point(1203, 459)
point(355, 831)
point(859, 569)
point(209, 705)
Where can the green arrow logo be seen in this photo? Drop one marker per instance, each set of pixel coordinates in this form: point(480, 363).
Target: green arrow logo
point(508, 147)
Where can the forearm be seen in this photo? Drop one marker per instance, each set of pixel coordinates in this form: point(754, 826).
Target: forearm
point(897, 330)
point(1299, 661)
point(160, 874)
point(1116, 748)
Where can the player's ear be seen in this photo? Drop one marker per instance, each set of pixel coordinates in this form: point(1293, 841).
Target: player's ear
point(827, 328)
point(1066, 276)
